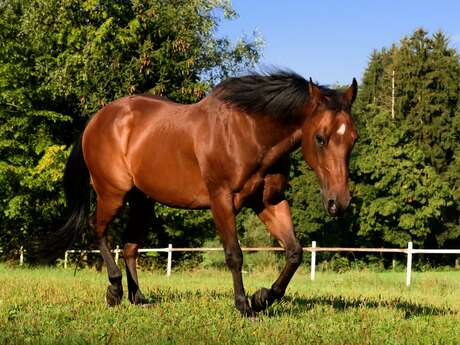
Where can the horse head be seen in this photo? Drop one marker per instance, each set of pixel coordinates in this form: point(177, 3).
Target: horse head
point(328, 136)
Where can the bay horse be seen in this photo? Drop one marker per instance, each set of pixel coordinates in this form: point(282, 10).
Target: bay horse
point(228, 151)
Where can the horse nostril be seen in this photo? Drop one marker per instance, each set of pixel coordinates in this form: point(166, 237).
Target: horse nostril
point(332, 206)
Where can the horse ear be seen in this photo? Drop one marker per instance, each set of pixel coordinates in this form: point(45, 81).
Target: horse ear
point(314, 90)
point(350, 94)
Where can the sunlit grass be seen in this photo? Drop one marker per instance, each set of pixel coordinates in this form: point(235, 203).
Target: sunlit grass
point(54, 306)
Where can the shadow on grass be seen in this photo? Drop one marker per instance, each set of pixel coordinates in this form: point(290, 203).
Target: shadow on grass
point(162, 295)
point(298, 304)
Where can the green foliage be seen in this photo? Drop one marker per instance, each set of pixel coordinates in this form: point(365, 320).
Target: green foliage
point(427, 93)
point(406, 167)
point(183, 228)
point(60, 61)
point(404, 171)
point(401, 198)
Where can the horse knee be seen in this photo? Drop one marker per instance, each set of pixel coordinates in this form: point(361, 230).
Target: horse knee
point(130, 251)
point(294, 255)
point(234, 259)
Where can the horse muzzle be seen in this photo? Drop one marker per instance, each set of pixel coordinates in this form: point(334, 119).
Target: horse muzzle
point(336, 204)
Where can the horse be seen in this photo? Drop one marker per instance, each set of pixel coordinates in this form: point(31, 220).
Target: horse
point(226, 152)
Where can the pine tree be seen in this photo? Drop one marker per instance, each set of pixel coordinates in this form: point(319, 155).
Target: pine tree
point(427, 92)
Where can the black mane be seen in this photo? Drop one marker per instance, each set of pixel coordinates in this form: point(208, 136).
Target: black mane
point(280, 94)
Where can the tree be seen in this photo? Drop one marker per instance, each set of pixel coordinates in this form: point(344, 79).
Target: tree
point(428, 93)
point(402, 199)
point(376, 85)
point(60, 61)
point(420, 149)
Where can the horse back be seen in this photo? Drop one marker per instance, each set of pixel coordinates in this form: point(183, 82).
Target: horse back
point(147, 142)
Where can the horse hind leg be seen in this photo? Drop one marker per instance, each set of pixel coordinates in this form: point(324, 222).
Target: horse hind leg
point(140, 215)
point(106, 208)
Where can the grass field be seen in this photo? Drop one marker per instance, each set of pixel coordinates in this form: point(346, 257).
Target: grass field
point(47, 306)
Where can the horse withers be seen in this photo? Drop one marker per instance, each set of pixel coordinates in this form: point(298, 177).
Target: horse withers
point(228, 151)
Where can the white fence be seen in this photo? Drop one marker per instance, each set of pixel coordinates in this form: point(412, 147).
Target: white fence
point(409, 251)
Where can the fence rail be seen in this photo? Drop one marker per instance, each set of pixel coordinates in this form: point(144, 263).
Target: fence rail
point(409, 251)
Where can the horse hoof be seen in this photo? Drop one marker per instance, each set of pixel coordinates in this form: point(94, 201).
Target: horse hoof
point(138, 298)
point(113, 295)
point(242, 304)
point(261, 300)
point(248, 312)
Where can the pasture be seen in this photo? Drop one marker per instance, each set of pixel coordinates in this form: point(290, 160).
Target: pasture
point(46, 306)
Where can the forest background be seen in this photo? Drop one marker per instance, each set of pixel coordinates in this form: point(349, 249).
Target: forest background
point(61, 61)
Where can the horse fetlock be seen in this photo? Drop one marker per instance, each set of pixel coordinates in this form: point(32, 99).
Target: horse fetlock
point(137, 298)
point(114, 294)
point(277, 293)
point(262, 299)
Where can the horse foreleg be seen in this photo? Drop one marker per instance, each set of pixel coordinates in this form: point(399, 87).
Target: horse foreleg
point(140, 214)
point(224, 218)
point(278, 220)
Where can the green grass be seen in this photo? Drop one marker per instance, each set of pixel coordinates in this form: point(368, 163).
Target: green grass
point(47, 306)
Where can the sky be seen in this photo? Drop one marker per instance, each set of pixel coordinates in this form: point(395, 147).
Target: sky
point(331, 40)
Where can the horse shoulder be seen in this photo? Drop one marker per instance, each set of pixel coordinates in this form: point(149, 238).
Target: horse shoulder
point(225, 148)
point(266, 184)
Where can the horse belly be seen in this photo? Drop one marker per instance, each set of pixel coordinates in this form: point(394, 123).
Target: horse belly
point(170, 175)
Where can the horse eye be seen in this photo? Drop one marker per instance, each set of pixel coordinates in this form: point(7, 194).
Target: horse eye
point(320, 140)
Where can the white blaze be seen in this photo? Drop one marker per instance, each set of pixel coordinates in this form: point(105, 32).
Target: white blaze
point(341, 129)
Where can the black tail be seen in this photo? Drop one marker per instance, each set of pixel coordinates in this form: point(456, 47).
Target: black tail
point(77, 194)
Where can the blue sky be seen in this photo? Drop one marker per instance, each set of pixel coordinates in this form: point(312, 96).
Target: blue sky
point(331, 40)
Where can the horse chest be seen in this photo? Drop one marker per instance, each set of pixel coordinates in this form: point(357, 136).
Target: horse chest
point(251, 186)
point(260, 189)
point(266, 183)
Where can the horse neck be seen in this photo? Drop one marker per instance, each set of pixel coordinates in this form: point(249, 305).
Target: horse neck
point(279, 138)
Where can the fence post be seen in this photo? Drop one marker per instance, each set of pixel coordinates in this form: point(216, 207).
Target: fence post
point(66, 256)
point(117, 254)
point(168, 267)
point(21, 256)
point(409, 263)
point(313, 260)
